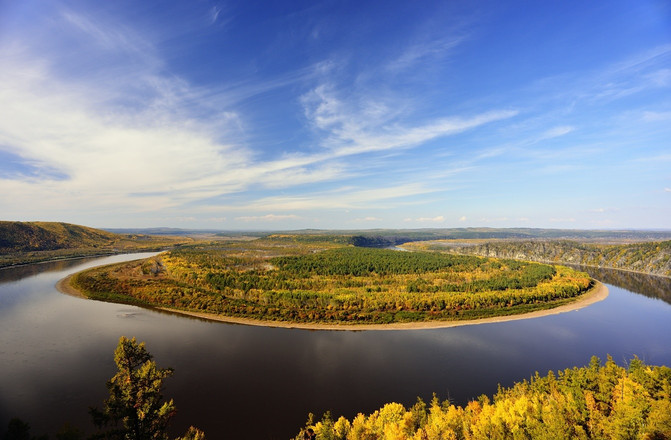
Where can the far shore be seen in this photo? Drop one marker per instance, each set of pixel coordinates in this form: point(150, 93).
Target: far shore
point(598, 293)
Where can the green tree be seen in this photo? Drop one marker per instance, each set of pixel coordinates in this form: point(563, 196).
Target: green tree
point(135, 409)
point(17, 429)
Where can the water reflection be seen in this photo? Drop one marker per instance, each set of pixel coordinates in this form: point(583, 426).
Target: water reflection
point(648, 285)
point(9, 274)
point(236, 381)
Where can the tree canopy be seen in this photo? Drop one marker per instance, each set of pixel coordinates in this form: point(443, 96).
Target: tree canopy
point(599, 401)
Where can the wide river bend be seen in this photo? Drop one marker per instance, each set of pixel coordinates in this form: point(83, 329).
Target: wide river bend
point(236, 381)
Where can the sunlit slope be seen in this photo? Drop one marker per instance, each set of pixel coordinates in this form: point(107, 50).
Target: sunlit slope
point(26, 242)
point(47, 236)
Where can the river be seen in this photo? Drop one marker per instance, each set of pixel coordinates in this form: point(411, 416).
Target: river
point(236, 381)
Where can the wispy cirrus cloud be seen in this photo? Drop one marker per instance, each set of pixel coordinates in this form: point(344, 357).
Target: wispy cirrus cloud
point(655, 116)
point(646, 70)
point(337, 199)
point(419, 52)
point(375, 126)
point(557, 132)
point(118, 38)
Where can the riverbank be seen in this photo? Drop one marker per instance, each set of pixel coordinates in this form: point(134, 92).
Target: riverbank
point(598, 293)
point(65, 287)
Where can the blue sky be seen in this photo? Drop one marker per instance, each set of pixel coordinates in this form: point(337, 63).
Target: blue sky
point(336, 114)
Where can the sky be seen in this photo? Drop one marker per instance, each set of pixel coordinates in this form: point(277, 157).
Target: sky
point(273, 115)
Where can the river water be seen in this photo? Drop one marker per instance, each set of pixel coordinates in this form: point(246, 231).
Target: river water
point(236, 381)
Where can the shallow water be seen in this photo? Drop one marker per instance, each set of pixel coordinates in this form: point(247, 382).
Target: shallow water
point(235, 381)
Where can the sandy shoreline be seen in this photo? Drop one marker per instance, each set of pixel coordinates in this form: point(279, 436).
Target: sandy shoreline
point(598, 293)
point(65, 287)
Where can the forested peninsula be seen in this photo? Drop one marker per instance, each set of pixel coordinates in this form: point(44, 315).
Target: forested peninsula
point(317, 279)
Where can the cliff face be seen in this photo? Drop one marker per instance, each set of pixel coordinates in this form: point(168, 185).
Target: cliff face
point(652, 258)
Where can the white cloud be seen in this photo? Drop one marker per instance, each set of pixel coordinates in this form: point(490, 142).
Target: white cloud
point(368, 219)
point(650, 116)
point(636, 74)
point(462, 218)
point(116, 152)
point(214, 13)
point(110, 38)
point(421, 51)
point(49, 125)
point(437, 219)
point(667, 190)
point(267, 218)
point(493, 219)
point(374, 126)
point(557, 131)
point(339, 198)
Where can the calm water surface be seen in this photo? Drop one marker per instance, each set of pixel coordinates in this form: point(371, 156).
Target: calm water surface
point(234, 381)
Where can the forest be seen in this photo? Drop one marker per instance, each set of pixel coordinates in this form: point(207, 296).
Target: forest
point(312, 280)
point(599, 401)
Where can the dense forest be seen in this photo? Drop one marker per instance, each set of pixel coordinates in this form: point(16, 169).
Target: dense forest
point(645, 257)
point(599, 401)
point(303, 279)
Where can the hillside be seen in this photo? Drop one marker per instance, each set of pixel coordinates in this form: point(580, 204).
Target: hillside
point(27, 242)
point(48, 236)
point(647, 257)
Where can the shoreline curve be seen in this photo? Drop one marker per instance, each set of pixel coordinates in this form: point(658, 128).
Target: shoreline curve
point(598, 293)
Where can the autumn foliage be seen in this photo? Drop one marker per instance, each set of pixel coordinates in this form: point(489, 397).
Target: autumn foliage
point(330, 282)
point(594, 402)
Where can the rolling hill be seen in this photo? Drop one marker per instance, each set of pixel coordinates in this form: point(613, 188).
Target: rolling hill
point(27, 242)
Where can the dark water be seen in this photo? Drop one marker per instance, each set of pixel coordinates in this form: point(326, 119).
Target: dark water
point(237, 381)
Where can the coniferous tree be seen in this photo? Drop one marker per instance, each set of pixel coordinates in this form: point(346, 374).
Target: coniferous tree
point(135, 409)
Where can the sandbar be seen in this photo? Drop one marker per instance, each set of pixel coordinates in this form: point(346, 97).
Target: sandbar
point(598, 293)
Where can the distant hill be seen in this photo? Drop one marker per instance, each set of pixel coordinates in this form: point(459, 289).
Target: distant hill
point(26, 242)
point(49, 236)
point(394, 237)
